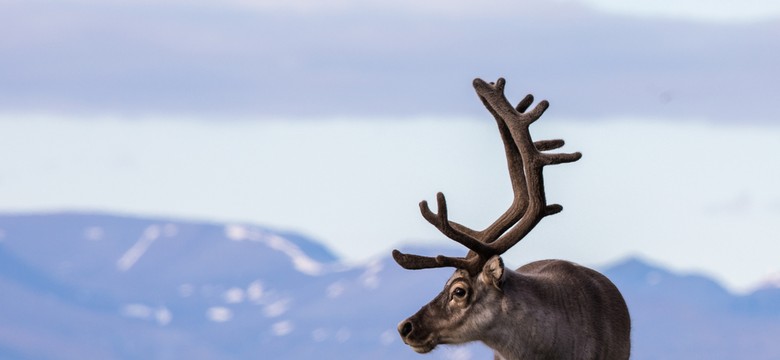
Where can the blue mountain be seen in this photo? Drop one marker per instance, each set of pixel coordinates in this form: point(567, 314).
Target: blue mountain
point(692, 317)
point(96, 286)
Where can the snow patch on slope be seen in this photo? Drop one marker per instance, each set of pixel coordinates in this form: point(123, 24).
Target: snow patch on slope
point(277, 308)
point(131, 256)
point(149, 236)
point(771, 281)
point(94, 233)
point(335, 290)
point(254, 292)
point(299, 259)
point(162, 315)
point(370, 277)
point(234, 295)
point(219, 314)
point(282, 328)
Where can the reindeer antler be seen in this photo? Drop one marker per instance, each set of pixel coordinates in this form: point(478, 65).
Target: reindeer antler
point(525, 161)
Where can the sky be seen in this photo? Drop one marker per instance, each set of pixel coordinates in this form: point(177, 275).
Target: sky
point(336, 118)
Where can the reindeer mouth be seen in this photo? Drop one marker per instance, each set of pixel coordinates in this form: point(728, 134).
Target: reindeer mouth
point(423, 347)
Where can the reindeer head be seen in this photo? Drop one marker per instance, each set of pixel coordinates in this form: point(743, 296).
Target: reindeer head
point(473, 296)
point(465, 307)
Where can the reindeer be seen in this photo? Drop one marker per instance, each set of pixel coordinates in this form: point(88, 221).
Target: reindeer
point(549, 309)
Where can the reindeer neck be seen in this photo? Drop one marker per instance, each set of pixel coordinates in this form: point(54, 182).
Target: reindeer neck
point(523, 327)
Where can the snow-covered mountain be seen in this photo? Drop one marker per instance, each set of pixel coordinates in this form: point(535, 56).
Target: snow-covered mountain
point(88, 286)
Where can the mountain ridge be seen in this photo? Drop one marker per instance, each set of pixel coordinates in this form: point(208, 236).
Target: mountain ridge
point(80, 285)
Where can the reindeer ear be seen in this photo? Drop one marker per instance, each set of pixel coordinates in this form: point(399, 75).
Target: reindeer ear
point(493, 272)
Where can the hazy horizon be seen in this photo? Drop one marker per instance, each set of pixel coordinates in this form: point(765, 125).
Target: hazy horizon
point(673, 193)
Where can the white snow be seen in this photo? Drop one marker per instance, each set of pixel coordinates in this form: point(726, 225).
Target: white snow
point(387, 337)
point(277, 308)
point(335, 290)
point(94, 233)
point(139, 311)
point(653, 278)
point(163, 316)
point(255, 291)
point(219, 314)
point(170, 230)
point(282, 328)
point(370, 277)
point(771, 281)
point(299, 259)
point(319, 335)
point(186, 290)
point(234, 295)
point(131, 256)
point(236, 232)
point(343, 334)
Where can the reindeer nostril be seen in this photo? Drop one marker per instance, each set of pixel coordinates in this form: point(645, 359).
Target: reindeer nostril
point(405, 329)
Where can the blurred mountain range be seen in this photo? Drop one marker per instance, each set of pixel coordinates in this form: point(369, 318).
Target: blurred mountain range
point(94, 286)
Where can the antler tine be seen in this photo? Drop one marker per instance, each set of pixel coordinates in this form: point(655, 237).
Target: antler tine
point(537, 111)
point(441, 222)
point(544, 145)
point(417, 262)
point(523, 105)
point(555, 159)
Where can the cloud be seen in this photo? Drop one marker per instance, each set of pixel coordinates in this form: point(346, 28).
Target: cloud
point(725, 11)
point(380, 58)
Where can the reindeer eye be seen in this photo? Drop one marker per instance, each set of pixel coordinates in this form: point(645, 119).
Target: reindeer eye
point(459, 292)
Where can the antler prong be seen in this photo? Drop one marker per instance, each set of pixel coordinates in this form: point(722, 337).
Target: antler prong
point(554, 159)
point(500, 84)
point(441, 203)
point(414, 262)
point(523, 105)
point(552, 209)
point(439, 218)
point(428, 214)
point(545, 145)
point(538, 111)
point(441, 222)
